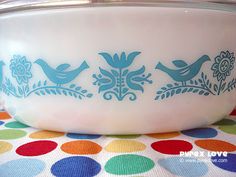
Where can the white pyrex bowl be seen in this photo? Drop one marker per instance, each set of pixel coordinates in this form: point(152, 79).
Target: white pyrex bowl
point(118, 68)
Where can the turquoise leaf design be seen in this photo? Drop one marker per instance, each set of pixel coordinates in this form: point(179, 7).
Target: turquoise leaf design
point(115, 73)
point(122, 58)
point(108, 85)
point(131, 77)
point(62, 67)
point(107, 57)
point(180, 63)
point(131, 57)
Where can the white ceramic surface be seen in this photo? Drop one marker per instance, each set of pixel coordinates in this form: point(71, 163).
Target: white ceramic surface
point(75, 35)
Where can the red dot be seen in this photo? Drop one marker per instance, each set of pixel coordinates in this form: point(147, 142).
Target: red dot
point(171, 146)
point(233, 113)
point(36, 148)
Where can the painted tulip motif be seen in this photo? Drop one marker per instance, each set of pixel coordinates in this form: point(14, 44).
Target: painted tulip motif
point(119, 81)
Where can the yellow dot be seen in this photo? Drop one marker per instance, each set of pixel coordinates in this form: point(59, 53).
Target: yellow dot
point(44, 134)
point(125, 146)
point(5, 146)
point(164, 135)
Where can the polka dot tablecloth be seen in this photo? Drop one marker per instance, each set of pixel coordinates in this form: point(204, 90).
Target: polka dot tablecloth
point(207, 151)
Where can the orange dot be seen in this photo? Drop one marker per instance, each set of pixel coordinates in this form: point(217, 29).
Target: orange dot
point(164, 135)
point(215, 145)
point(81, 147)
point(4, 115)
point(44, 134)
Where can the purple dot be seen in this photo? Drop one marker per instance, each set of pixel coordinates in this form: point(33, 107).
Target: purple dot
point(82, 136)
point(201, 132)
point(76, 166)
point(227, 163)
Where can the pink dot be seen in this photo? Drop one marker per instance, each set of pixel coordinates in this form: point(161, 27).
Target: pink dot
point(36, 148)
point(171, 146)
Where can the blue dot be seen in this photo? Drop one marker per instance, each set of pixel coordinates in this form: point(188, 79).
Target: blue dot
point(1, 122)
point(226, 163)
point(22, 167)
point(184, 166)
point(82, 136)
point(76, 166)
point(201, 132)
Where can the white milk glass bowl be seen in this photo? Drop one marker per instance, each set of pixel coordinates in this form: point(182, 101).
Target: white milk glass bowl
point(117, 67)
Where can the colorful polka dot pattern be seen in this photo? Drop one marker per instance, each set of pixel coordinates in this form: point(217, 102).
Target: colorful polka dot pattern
point(28, 152)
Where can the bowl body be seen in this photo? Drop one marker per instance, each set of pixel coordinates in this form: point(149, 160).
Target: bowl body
point(118, 70)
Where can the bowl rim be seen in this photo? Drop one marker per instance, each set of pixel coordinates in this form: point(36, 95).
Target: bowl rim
point(9, 6)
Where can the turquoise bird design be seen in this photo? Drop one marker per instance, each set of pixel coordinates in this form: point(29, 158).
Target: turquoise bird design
point(184, 72)
point(1, 73)
point(60, 75)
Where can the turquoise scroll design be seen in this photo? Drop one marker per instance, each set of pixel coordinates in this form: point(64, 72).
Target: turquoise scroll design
point(60, 79)
point(119, 80)
point(187, 79)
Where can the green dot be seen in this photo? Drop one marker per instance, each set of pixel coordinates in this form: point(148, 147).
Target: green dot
point(11, 134)
point(15, 124)
point(128, 164)
point(231, 129)
point(124, 136)
point(225, 122)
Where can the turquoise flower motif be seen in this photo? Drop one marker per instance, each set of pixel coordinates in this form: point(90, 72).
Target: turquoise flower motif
point(21, 69)
point(119, 81)
point(224, 64)
point(120, 62)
